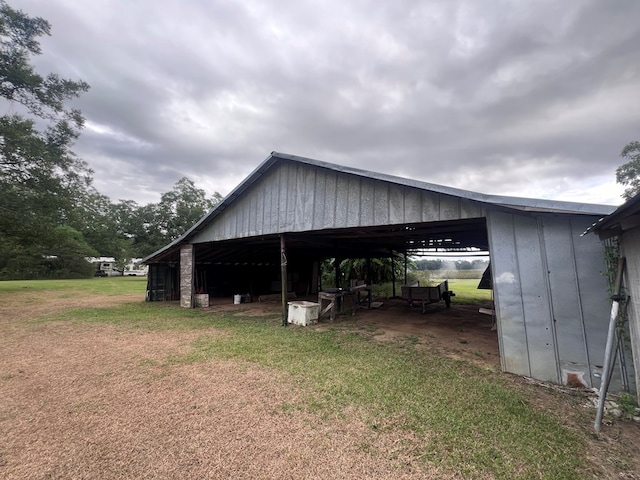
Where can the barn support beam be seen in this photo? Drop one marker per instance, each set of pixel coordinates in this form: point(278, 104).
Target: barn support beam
point(393, 274)
point(315, 277)
point(187, 262)
point(283, 274)
point(405, 268)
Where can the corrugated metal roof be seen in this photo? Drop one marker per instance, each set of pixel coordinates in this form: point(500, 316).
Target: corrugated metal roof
point(522, 204)
point(626, 216)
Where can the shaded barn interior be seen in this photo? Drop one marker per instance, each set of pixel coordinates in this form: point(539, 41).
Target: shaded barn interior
point(252, 265)
point(293, 212)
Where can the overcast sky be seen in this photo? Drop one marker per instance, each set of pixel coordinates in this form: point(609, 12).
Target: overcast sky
point(523, 98)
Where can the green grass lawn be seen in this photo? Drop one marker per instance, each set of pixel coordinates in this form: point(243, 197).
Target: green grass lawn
point(95, 285)
point(467, 292)
point(465, 419)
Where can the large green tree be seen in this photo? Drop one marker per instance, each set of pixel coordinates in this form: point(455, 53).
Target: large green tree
point(41, 179)
point(180, 208)
point(126, 230)
point(151, 227)
point(104, 225)
point(629, 173)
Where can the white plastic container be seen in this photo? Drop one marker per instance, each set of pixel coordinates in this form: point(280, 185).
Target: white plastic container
point(303, 313)
point(201, 300)
point(237, 299)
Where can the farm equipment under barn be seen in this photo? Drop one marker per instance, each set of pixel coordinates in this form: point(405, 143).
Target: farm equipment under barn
point(426, 295)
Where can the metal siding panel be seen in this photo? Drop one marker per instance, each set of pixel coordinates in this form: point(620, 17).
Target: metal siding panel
point(205, 235)
point(319, 200)
point(367, 198)
point(292, 195)
point(282, 199)
point(238, 211)
point(565, 301)
point(210, 233)
point(224, 228)
point(449, 208)
point(353, 202)
point(331, 186)
point(342, 200)
point(631, 250)
point(304, 198)
point(247, 212)
point(535, 299)
point(309, 198)
point(412, 207)
point(233, 222)
point(396, 204)
point(507, 294)
point(430, 206)
point(241, 213)
point(381, 203)
point(593, 290)
point(253, 211)
point(274, 219)
point(266, 211)
point(299, 199)
point(260, 204)
point(470, 209)
point(245, 207)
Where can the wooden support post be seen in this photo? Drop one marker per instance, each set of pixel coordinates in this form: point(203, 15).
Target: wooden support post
point(405, 268)
point(393, 274)
point(283, 273)
point(336, 266)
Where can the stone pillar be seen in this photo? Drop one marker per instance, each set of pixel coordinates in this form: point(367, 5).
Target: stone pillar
point(186, 276)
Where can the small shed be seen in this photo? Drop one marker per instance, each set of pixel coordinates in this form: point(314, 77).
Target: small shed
point(622, 229)
point(550, 295)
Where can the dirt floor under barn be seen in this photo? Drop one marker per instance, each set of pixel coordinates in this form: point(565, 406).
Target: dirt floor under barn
point(460, 331)
point(82, 400)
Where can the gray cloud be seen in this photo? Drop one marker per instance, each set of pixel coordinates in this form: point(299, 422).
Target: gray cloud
point(522, 98)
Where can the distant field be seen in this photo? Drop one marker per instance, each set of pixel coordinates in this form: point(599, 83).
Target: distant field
point(467, 292)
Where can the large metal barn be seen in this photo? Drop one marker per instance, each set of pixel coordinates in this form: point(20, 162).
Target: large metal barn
point(551, 301)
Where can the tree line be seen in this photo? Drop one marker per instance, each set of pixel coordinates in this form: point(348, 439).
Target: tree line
point(453, 264)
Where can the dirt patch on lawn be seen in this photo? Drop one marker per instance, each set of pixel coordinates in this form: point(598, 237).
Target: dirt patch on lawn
point(459, 332)
point(19, 307)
